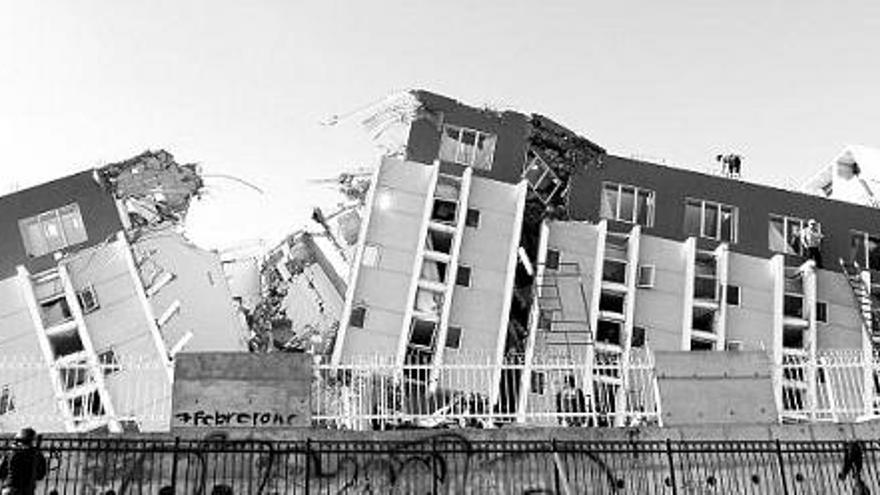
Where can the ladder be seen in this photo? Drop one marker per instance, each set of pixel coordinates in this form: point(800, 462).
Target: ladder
point(862, 298)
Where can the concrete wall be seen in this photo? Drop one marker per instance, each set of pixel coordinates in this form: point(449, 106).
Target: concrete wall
point(394, 227)
point(206, 306)
point(659, 309)
point(478, 309)
point(752, 321)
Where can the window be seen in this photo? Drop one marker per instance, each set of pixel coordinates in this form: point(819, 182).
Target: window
point(444, 211)
point(612, 302)
point(784, 234)
point(6, 403)
point(467, 147)
point(88, 299)
point(464, 276)
point(52, 230)
point(628, 204)
point(865, 250)
point(109, 361)
point(358, 315)
point(710, 220)
point(371, 255)
point(608, 332)
point(732, 295)
point(422, 334)
point(543, 181)
point(734, 345)
point(539, 381)
point(701, 345)
point(646, 276)
point(821, 312)
point(453, 338)
point(473, 218)
point(638, 337)
point(552, 262)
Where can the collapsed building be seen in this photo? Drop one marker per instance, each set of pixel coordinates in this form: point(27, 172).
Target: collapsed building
point(612, 256)
point(100, 287)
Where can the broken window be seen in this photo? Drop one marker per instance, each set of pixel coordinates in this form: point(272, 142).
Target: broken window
point(109, 362)
point(65, 343)
point(88, 299)
point(52, 230)
point(627, 204)
point(703, 319)
point(467, 147)
point(439, 241)
point(422, 333)
point(463, 277)
point(358, 315)
point(7, 404)
point(785, 234)
point(453, 338)
point(55, 311)
point(710, 220)
point(608, 332)
point(542, 180)
point(609, 301)
point(444, 211)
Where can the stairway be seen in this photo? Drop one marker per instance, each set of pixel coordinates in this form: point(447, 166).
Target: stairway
point(562, 334)
point(862, 298)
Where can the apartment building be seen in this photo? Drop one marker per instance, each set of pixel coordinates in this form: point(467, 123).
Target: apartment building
point(93, 309)
point(629, 254)
point(432, 277)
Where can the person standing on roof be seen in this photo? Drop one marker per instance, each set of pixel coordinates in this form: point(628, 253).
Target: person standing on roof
point(23, 467)
point(811, 237)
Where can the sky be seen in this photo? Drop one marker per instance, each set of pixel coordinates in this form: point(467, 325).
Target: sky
point(243, 87)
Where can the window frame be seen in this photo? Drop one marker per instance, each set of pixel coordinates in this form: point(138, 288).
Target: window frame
point(866, 239)
point(826, 306)
point(634, 219)
point(472, 218)
point(7, 400)
point(362, 310)
point(738, 302)
point(787, 221)
point(470, 275)
point(449, 333)
point(42, 221)
point(460, 145)
point(652, 278)
point(95, 302)
point(734, 234)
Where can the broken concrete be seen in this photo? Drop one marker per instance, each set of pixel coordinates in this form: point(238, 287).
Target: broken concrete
point(152, 187)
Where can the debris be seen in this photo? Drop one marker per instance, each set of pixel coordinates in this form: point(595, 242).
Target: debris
point(153, 188)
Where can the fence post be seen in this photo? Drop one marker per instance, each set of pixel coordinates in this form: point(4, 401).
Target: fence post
point(174, 464)
point(556, 468)
point(434, 486)
point(671, 466)
point(308, 465)
point(781, 467)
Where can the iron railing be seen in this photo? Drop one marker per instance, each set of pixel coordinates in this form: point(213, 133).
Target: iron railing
point(449, 463)
point(837, 386)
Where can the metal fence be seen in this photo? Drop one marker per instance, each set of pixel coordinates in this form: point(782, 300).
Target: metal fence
point(547, 391)
point(470, 391)
point(453, 464)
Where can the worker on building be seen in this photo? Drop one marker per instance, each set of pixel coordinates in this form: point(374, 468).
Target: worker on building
point(811, 238)
point(731, 164)
point(23, 466)
point(571, 402)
